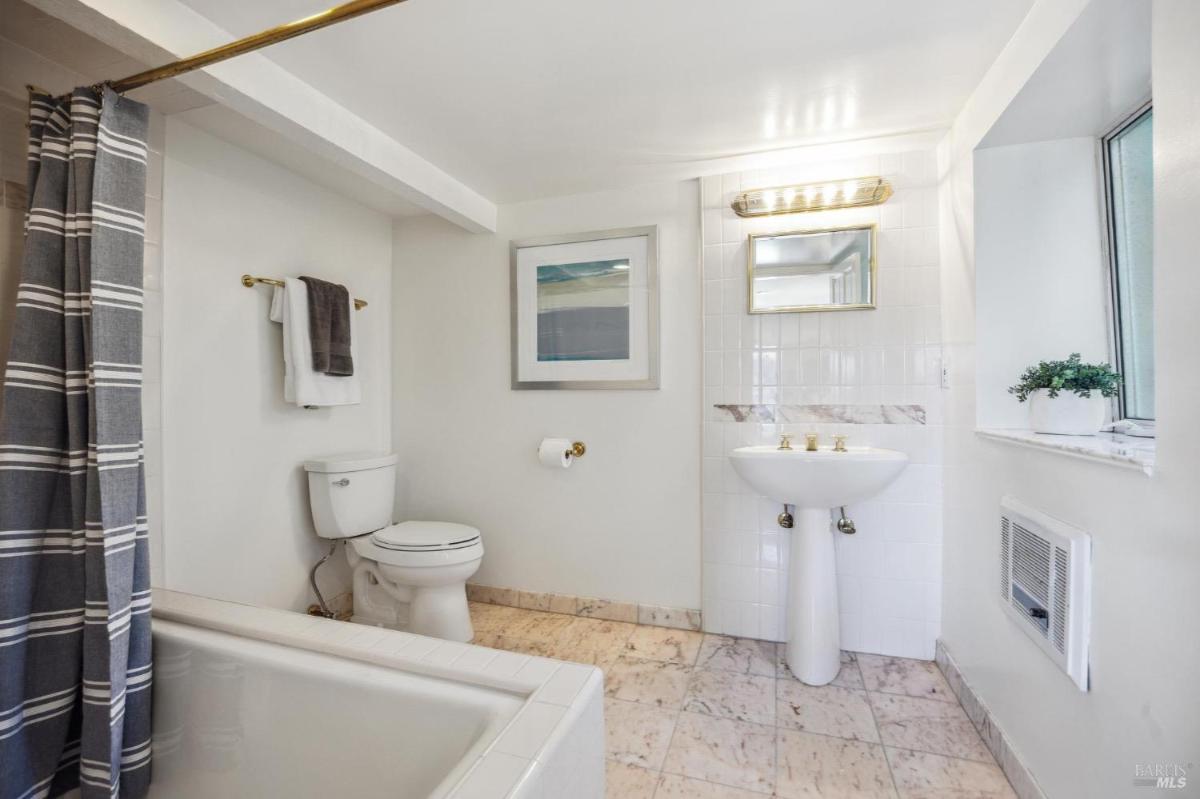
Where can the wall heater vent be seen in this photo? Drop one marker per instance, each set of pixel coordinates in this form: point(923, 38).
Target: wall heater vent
point(1045, 584)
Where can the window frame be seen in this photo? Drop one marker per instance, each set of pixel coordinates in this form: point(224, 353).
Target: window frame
point(1116, 343)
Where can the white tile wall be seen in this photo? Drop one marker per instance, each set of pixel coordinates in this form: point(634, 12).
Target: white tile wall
point(889, 574)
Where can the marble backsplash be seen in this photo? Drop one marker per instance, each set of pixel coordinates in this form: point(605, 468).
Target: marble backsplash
point(820, 414)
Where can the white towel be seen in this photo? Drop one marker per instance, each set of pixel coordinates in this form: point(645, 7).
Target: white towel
point(301, 385)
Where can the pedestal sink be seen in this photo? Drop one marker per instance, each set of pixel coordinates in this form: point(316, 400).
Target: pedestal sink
point(814, 482)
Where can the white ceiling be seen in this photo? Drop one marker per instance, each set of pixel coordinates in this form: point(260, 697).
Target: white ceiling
point(531, 98)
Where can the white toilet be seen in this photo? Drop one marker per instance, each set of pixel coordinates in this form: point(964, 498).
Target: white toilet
point(410, 575)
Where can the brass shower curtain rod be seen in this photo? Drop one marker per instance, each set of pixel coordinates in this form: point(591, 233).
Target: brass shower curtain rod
point(280, 33)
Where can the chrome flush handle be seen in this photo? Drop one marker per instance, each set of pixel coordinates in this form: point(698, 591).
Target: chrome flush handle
point(345, 481)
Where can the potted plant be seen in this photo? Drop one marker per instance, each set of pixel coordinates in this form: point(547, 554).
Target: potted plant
point(1067, 397)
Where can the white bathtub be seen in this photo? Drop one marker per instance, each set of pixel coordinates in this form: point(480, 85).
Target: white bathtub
point(250, 702)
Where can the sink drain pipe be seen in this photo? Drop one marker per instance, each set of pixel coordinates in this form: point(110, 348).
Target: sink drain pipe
point(845, 524)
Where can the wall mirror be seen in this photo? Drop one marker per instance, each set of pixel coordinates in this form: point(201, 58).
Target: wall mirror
point(812, 270)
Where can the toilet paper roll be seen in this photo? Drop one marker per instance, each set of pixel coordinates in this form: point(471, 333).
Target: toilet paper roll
point(555, 453)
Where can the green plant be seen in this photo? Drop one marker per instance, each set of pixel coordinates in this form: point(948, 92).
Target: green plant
point(1068, 375)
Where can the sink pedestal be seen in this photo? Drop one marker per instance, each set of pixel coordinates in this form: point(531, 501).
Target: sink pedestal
point(814, 652)
point(815, 481)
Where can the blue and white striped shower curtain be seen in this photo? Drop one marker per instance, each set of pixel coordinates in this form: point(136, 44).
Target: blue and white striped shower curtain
point(75, 658)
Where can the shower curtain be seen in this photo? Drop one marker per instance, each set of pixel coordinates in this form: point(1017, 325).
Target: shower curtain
point(74, 560)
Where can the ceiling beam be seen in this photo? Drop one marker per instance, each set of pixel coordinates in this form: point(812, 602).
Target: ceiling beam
point(153, 31)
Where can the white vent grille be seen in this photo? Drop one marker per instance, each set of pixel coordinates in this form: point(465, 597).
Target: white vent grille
point(1031, 563)
point(1062, 598)
point(1045, 583)
point(1005, 548)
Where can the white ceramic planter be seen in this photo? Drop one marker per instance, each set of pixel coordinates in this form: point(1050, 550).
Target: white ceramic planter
point(1068, 414)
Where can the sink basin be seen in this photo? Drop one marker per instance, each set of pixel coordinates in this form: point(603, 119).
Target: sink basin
point(821, 479)
point(815, 482)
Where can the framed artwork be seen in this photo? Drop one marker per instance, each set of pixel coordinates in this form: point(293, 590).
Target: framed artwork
point(585, 310)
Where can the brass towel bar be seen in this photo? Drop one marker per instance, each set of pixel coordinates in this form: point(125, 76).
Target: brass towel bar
point(250, 280)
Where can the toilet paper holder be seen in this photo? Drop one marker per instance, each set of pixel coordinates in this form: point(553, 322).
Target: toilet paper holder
point(559, 453)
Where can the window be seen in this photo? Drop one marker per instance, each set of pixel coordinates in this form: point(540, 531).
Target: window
point(1129, 179)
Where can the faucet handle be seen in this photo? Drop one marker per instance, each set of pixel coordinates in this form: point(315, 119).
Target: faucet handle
point(839, 443)
point(785, 441)
point(810, 442)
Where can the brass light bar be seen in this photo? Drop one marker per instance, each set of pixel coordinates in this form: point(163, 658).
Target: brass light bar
point(812, 197)
point(280, 33)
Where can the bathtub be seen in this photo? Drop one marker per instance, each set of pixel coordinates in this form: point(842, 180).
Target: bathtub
point(253, 702)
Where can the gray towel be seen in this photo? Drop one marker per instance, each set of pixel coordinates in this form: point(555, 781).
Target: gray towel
point(329, 327)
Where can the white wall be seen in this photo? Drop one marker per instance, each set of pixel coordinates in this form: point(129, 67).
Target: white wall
point(888, 573)
point(1146, 553)
point(1041, 277)
point(624, 522)
point(236, 495)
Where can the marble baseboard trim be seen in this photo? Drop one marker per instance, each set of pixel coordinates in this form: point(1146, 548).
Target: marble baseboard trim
point(821, 414)
point(677, 618)
point(1022, 781)
point(590, 607)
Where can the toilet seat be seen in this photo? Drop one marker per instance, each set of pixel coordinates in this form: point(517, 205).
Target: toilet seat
point(425, 536)
point(422, 544)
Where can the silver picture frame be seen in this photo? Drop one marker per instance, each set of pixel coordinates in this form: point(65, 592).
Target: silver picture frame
point(650, 378)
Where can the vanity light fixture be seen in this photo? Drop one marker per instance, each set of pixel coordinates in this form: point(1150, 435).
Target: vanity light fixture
point(812, 197)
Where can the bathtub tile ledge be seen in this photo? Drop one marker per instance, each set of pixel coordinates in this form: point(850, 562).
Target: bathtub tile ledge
point(567, 682)
point(494, 777)
point(529, 730)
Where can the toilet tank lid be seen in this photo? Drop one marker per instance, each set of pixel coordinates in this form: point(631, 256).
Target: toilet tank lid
point(353, 462)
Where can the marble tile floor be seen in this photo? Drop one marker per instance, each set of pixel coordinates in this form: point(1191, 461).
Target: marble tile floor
point(712, 717)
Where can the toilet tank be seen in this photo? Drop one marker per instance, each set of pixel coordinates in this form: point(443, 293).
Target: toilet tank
point(352, 494)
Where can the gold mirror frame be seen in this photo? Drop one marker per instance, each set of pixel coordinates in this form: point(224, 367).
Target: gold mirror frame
point(870, 305)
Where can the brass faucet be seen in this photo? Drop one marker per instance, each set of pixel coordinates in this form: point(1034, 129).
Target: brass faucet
point(839, 443)
point(810, 442)
point(785, 441)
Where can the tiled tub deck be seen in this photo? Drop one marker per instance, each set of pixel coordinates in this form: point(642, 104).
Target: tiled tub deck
point(712, 717)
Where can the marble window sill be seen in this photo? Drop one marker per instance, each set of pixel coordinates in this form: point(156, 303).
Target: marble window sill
point(1110, 448)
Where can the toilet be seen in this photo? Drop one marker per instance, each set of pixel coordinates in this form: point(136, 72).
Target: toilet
point(411, 575)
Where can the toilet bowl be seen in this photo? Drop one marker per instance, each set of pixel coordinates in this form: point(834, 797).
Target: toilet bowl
point(410, 575)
